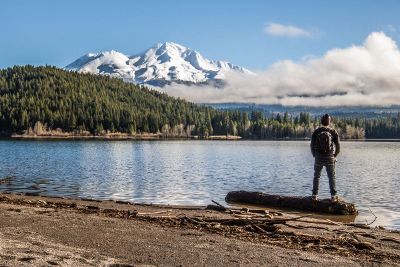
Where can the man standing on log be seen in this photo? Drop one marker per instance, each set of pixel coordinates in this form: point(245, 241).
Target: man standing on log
point(325, 147)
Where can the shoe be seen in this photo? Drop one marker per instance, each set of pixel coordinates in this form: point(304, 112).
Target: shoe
point(335, 198)
point(314, 197)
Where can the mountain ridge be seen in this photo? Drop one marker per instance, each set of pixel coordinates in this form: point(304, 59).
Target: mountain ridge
point(162, 64)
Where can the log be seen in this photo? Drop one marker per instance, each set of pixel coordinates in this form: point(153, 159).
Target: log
point(292, 202)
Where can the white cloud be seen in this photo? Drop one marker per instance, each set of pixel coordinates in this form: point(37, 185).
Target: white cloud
point(367, 74)
point(277, 29)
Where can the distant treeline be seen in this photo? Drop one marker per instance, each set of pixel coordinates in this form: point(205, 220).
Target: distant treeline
point(301, 126)
point(86, 103)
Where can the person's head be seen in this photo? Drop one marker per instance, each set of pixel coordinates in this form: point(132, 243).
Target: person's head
point(326, 120)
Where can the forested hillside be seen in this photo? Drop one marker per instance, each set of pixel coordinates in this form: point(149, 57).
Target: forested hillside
point(78, 103)
point(72, 101)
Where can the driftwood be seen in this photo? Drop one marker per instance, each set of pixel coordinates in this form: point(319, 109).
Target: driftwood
point(243, 212)
point(292, 202)
point(152, 213)
point(215, 207)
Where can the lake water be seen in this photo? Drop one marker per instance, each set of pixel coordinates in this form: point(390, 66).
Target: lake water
point(196, 172)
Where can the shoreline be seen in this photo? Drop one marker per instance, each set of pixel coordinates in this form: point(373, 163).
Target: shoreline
point(119, 137)
point(160, 137)
point(91, 233)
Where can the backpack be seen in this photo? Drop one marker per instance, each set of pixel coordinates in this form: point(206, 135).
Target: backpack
point(324, 144)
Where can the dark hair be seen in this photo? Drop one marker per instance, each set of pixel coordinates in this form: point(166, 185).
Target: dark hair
point(326, 119)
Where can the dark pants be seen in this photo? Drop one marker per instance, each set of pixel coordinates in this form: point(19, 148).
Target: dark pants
point(329, 164)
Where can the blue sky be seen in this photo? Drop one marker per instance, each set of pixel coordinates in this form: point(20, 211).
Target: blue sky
point(58, 32)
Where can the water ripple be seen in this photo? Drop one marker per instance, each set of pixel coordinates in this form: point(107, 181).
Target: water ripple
point(194, 172)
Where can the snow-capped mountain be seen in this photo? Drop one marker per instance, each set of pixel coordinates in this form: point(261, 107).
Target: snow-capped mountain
point(161, 64)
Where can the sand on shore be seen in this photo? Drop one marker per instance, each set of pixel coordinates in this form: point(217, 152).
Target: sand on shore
point(44, 231)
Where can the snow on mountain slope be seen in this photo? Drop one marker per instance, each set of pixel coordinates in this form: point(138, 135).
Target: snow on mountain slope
point(161, 64)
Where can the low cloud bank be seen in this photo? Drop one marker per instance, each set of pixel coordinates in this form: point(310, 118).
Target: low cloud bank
point(365, 75)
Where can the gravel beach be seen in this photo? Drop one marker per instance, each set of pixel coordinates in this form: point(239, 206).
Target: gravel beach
point(45, 231)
